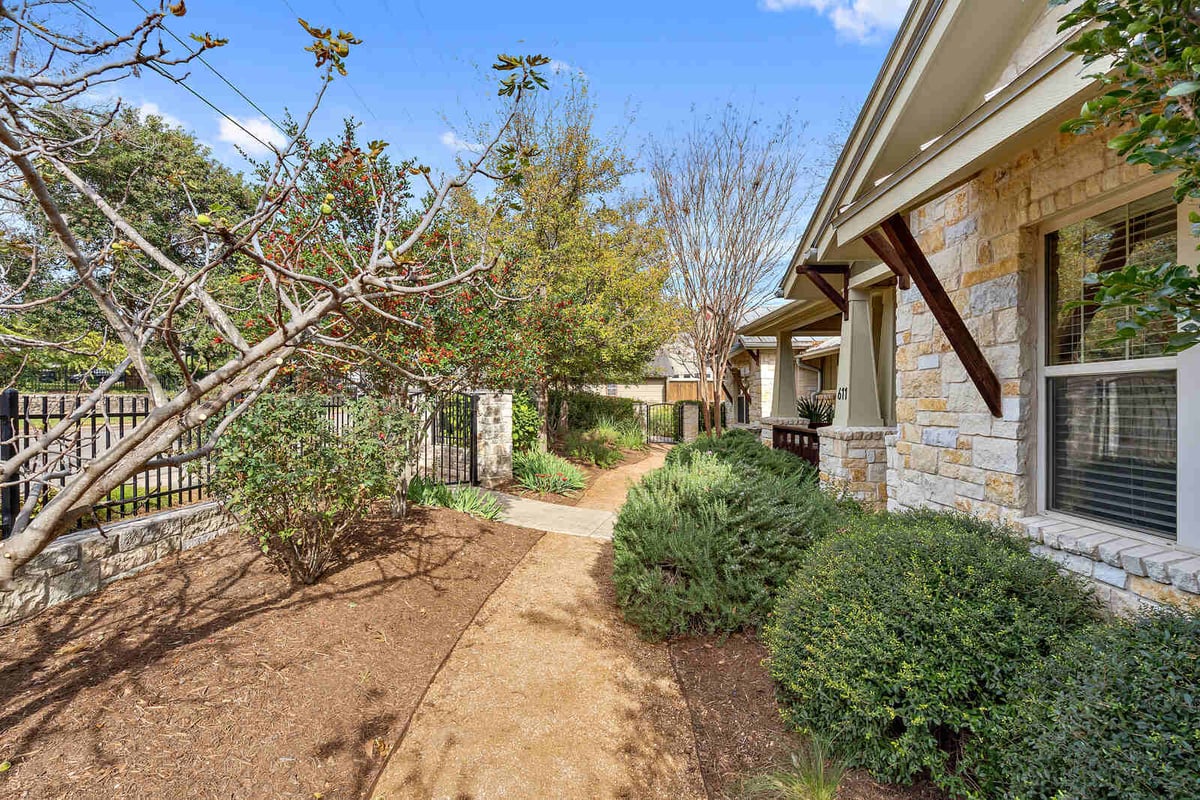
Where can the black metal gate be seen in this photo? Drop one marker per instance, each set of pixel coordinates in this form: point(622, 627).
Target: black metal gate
point(663, 423)
point(450, 453)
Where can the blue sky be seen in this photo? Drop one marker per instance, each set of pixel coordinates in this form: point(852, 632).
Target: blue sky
point(421, 72)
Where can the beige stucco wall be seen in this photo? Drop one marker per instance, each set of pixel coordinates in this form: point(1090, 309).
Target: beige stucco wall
point(983, 241)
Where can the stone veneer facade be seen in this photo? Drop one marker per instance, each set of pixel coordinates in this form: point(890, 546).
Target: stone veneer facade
point(948, 451)
point(982, 240)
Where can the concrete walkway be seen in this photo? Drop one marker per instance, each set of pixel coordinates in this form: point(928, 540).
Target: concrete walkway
point(549, 694)
point(526, 513)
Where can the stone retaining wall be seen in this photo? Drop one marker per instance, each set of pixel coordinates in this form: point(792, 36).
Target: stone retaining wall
point(83, 562)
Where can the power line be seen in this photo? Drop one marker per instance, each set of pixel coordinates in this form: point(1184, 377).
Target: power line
point(163, 72)
point(216, 72)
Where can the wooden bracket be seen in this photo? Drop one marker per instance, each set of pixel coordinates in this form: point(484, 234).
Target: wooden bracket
point(883, 248)
point(816, 274)
point(754, 358)
point(900, 251)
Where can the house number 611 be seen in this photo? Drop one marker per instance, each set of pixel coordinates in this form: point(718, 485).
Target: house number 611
point(843, 393)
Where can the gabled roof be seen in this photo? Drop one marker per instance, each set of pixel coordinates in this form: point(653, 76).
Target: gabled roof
point(829, 347)
point(965, 82)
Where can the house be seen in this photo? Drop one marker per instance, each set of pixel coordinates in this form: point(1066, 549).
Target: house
point(750, 381)
point(669, 377)
point(956, 227)
point(823, 359)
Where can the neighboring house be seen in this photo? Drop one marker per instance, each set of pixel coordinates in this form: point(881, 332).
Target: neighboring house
point(823, 359)
point(956, 227)
point(750, 383)
point(670, 376)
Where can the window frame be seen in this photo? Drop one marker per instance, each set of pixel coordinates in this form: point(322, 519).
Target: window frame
point(1044, 371)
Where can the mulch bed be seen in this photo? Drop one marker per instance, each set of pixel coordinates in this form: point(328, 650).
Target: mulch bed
point(738, 727)
point(590, 472)
point(209, 676)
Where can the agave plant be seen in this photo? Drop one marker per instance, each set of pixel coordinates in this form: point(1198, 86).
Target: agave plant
point(815, 410)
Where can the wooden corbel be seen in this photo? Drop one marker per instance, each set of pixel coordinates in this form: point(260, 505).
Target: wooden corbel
point(817, 274)
point(896, 246)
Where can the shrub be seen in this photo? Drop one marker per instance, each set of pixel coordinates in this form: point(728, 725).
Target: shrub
point(585, 410)
point(527, 423)
point(592, 449)
point(295, 483)
point(624, 434)
point(1115, 715)
point(744, 449)
point(900, 638)
point(546, 473)
point(467, 499)
point(705, 543)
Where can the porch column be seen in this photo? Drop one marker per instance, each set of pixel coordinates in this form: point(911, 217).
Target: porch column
point(858, 386)
point(783, 401)
point(885, 356)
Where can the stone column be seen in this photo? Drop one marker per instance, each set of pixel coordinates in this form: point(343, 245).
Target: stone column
point(783, 395)
point(857, 389)
point(691, 422)
point(854, 461)
point(494, 438)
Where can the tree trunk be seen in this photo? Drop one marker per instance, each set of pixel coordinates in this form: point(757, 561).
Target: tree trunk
point(543, 407)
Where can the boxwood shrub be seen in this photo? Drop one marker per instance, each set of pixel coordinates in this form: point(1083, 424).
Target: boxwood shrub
point(1115, 715)
point(706, 543)
point(900, 637)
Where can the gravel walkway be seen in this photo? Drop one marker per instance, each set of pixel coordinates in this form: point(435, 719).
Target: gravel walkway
point(549, 694)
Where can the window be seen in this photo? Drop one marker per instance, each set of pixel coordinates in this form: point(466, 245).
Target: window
point(1112, 404)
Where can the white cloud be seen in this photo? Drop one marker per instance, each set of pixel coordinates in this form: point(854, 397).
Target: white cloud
point(456, 143)
point(860, 20)
point(149, 109)
point(559, 67)
point(261, 128)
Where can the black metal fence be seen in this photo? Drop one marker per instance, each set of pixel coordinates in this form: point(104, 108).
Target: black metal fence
point(449, 453)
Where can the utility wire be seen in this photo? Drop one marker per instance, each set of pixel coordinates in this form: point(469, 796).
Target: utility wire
point(162, 71)
point(216, 72)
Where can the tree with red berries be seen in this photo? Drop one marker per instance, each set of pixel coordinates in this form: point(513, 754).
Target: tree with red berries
point(270, 283)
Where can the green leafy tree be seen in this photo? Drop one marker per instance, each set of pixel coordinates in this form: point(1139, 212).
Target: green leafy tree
point(587, 255)
point(261, 285)
point(1151, 49)
point(158, 176)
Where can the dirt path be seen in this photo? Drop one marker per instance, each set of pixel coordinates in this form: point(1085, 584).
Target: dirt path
point(608, 491)
point(549, 694)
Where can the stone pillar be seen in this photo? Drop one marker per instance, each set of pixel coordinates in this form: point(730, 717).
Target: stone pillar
point(783, 395)
point(857, 389)
point(691, 422)
point(854, 461)
point(494, 438)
